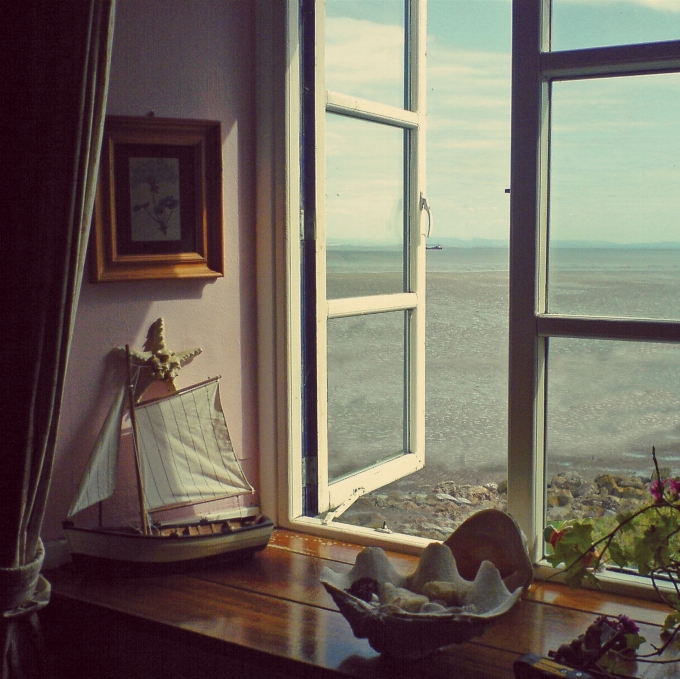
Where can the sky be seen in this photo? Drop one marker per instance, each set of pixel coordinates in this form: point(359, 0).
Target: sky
point(615, 173)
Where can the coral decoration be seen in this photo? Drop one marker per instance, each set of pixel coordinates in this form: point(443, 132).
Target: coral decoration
point(164, 363)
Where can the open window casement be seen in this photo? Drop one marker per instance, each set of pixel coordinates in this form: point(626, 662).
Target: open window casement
point(363, 249)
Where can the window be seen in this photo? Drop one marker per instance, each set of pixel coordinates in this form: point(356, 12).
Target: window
point(595, 256)
point(363, 193)
point(594, 328)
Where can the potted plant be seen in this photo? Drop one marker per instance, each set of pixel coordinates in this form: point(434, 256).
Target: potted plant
point(645, 540)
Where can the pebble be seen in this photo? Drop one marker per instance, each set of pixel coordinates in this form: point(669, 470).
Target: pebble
point(437, 514)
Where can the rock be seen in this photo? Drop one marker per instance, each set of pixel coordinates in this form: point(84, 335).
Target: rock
point(606, 482)
point(366, 519)
point(634, 494)
point(569, 480)
point(583, 490)
point(564, 497)
point(462, 501)
point(632, 482)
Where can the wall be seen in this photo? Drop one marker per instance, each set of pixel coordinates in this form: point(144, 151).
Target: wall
point(185, 60)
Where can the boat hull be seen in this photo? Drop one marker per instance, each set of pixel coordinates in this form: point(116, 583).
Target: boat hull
point(129, 552)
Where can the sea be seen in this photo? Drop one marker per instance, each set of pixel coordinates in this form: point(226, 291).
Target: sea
point(608, 402)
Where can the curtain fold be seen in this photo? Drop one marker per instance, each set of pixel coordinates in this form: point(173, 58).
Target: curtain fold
point(54, 99)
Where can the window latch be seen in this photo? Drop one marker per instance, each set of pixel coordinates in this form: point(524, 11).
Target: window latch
point(424, 205)
point(356, 494)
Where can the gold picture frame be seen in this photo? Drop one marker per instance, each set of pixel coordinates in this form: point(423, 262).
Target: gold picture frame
point(158, 209)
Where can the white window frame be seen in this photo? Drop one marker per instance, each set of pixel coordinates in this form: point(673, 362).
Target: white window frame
point(279, 230)
point(535, 67)
point(338, 493)
point(278, 224)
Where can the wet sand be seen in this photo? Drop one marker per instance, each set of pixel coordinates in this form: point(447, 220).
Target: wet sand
point(610, 401)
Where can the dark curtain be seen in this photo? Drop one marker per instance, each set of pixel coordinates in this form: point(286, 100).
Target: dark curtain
point(54, 81)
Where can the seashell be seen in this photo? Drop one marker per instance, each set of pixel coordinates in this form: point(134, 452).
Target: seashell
point(487, 590)
point(462, 575)
point(436, 563)
point(432, 607)
point(402, 597)
point(447, 592)
point(492, 535)
point(372, 562)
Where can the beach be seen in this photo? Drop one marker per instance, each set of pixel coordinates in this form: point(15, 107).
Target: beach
point(610, 402)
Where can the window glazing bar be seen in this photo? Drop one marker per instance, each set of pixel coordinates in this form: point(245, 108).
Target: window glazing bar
point(658, 57)
point(369, 110)
point(553, 325)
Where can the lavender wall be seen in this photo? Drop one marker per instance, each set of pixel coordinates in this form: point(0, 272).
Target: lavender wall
point(185, 60)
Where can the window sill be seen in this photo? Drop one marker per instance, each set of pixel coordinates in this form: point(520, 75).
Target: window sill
point(272, 613)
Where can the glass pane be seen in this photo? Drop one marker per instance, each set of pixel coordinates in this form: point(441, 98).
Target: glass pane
point(364, 207)
point(608, 403)
point(598, 23)
point(365, 391)
point(468, 168)
point(365, 47)
point(615, 197)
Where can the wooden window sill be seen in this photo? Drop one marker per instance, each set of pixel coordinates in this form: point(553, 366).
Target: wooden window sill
point(272, 614)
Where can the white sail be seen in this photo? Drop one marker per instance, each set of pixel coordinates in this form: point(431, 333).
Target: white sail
point(186, 451)
point(99, 478)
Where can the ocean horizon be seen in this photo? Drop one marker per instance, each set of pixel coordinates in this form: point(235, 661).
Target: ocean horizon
point(609, 402)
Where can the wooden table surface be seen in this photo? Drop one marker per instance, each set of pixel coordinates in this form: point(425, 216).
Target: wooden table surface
point(273, 607)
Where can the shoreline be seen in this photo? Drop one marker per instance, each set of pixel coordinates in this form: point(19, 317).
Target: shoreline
point(436, 512)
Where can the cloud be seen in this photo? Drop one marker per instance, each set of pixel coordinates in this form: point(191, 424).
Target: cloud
point(658, 5)
point(365, 59)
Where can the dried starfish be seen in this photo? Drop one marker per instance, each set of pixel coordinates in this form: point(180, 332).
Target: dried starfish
point(164, 363)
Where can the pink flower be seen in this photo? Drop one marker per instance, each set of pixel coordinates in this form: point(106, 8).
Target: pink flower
point(673, 488)
point(627, 625)
point(658, 487)
point(555, 537)
point(656, 490)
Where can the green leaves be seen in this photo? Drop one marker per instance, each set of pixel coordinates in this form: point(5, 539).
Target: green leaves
point(671, 621)
point(634, 641)
point(573, 548)
point(647, 539)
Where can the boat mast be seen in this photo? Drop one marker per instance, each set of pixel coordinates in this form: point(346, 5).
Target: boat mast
point(138, 463)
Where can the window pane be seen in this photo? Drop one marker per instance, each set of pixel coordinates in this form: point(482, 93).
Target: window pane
point(365, 49)
point(615, 197)
point(366, 390)
point(364, 207)
point(598, 23)
point(608, 403)
point(468, 163)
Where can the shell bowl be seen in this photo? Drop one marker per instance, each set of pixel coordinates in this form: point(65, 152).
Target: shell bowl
point(408, 617)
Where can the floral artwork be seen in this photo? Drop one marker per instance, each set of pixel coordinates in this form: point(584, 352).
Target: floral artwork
point(154, 199)
point(158, 210)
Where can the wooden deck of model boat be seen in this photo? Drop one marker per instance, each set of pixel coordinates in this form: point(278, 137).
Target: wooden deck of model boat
point(171, 548)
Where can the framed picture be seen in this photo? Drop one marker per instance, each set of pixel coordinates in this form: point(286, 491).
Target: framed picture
point(158, 210)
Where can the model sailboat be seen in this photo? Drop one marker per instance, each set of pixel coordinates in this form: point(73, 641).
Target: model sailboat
point(184, 456)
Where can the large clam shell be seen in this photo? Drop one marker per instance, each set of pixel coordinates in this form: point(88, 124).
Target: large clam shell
point(480, 598)
point(492, 535)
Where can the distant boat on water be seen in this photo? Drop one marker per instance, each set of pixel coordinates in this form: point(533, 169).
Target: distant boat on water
point(434, 247)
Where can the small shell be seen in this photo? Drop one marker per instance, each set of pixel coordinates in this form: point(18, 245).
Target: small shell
point(433, 607)
point(448, 592)
point(404, 598)
point(436, 563)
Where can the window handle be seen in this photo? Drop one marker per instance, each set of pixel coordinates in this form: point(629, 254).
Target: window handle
point(424, 205)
